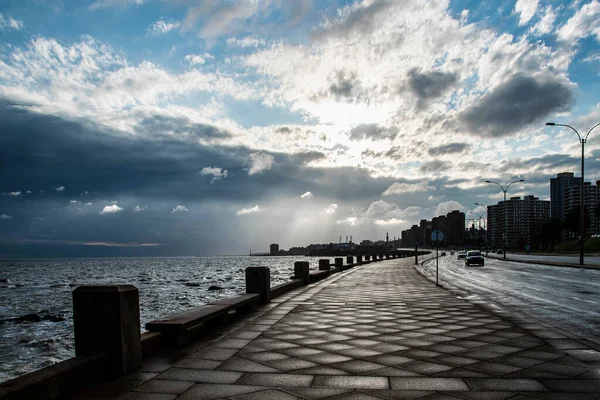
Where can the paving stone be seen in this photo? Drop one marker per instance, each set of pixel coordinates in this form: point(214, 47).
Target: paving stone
point(290, 364)
point(316, 393)
point(515, 385)
point(211, 391)
point(198, 363)
point(245, 365)
point(147, 396)
point(572, 385)
point(409, 383)
point(164, 386)
point(199, 375)
point(425, 367)
point(271, 394)
point(276, 380)
point(357, 366)
point(364, 382)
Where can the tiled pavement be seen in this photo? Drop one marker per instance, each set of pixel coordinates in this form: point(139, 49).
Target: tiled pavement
point(379, 331)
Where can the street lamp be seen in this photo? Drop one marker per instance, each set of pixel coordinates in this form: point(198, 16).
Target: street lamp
point(504, 206)
point(479, 228)
point(484, 229)
point(581, 202)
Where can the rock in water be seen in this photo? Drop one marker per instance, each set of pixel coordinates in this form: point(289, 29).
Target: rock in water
point(213, 287)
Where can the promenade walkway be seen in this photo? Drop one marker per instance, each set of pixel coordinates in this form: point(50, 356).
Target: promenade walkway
point(379, 331)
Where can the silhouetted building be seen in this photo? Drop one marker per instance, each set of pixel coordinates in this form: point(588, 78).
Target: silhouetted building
point(524, 217)
point(274, 249)
point(558, 186)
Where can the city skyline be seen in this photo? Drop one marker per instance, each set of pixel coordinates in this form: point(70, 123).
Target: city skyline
point(146, 127)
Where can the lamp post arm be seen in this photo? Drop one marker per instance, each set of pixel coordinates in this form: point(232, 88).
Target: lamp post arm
point(591, 129)
point(574, 130)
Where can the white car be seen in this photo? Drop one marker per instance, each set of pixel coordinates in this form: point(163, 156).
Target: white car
point(461, 255)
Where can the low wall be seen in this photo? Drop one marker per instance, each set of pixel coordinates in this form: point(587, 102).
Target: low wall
point(100, 356)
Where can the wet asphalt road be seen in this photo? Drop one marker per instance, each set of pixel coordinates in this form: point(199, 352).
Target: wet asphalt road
point(566, 298)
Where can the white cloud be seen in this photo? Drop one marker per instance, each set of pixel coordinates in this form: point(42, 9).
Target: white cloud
point(251, 210)
point(112, 209)
point(585, 22)
point(14, 194)
point(546, 23)
point(178, 209)
point(10, 23)
point(74, 202)
point(5, 217)
point(60, 189)
point(393, 221)
point(216, 172)
point(195, 59)
point(446, 207)
point(331, 209)
point(526, 9)
point(403, 188)
point(88, 204)
point(352, 221)
point(163, 26)
point(28, 191)
point(138, 208)
point(247, 41)
point(306, 195)
point(99, 4)
point(260, 162)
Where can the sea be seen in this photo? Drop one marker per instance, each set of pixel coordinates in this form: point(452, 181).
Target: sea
point(166, 286)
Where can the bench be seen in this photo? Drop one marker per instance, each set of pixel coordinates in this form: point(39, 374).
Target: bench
point(177, 327)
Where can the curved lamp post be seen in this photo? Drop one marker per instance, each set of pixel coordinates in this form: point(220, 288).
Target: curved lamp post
point(581, 202)
point(504, 207)
point(484, 229)
point(479, 228)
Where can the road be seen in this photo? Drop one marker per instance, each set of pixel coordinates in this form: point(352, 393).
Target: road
point(563, 297)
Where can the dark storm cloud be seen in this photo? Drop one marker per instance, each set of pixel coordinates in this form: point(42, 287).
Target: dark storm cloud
point(434, 166)
point(154, 171)
point(429, 85)
point(372, 131)
point(520, 101)
point(181, 127)
point(450, 148)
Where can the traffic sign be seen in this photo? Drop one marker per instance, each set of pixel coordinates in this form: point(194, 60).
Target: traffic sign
point(437, 236)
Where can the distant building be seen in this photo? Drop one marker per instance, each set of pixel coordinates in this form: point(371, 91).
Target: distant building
point(524, 219)
point(558, 186)
point(591, 197)
point(274, 249)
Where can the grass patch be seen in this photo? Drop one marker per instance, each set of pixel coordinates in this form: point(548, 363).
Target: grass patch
point(572, 247)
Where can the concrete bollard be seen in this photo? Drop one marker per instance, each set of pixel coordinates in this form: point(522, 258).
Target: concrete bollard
point(387, 256)
point(359, 259)
point(106, 320)
point(324, 264)
point(339, 263)
point(349, 260)
point(302, 271)
point(367, 257)
point(258, 280)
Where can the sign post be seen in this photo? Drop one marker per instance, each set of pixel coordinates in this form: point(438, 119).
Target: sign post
point(436, 236)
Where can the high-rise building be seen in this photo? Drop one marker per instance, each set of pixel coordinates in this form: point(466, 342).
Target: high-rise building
point(558, 185)
point(524, 217)
point(274, 249)
point(591, 197)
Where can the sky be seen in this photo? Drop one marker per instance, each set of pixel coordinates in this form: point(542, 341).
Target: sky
point(206, 127)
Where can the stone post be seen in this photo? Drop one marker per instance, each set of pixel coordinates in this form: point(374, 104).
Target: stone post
point(387, 256)
point(258, 280)
point(349, 260)
point(106, 320)
point(339, 263)
point(324, 264)
point(367, 257)
point(302, 271)
point(359, 259)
